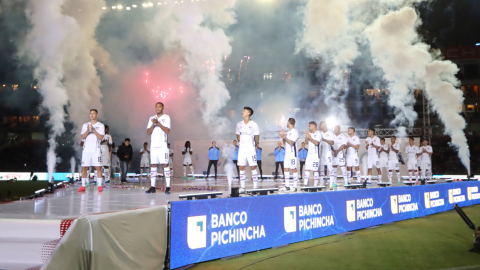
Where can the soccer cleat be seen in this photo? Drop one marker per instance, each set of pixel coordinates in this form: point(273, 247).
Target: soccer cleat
point(107, 182)
point(293, 189)
point(167, 190)
point(151, 190)
point(241, 191)
point(100, 189)
point(184, 177)
point(334, 186)
point(284, 189)
point(81, 189)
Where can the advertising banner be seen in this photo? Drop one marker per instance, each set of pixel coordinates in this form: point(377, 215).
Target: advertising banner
point(203, 230)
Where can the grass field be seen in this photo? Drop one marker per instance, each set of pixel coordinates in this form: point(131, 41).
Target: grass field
point(439, 241)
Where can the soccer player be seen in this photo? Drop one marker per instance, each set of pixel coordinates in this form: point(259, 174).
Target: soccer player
point(339, 143)
point(412, 154)
point(234, 155)
point(159, 128)
point(144, 162)
point(106, 149)
point(248, 135)
point(383, 156)
point(393, 163)
point(258, 151)
point(279, 158)
point(426, 152)
point(92, 133)
point(187, 153)
point(372, 144)
point(302, 155)
point(213, 157)
point(326, 158)
point(290, 138)
point(313, 137)
point(353, 144)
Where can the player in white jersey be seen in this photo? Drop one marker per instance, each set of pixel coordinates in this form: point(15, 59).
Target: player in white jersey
point(187, 153)
point(383, 158)
point(144, 161)
point(248, 135)
point(106, 149)
point(326, 159)
point(353, 144)
point(412, 154)
point(372, 144)
point(393, 163)
point(92, 134)
point(426, 152)
point(290, 163)
point(339, 143)
point(159, 128)
point(313, 137)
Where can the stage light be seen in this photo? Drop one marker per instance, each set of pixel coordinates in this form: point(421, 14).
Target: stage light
point(144, 5)
point(331, 122)
point(127, 8)
point(134, 6)
point(104, 7)
point(114, 7)
point(159, 4)
point(478, 44)
point(150, 4)
point(119, 7)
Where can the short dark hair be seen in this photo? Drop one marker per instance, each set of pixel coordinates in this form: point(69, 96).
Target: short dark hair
point(291, 121)
point(313, 123)
point(352, 128)
point(213, 142)
point(159, 103)
point(106, 126)
point(234, 140)
point(95, 110)
point(249, 109)
point(145, 143)
point(372, 129)
point(382, 139)
point(393, 136)
point(411, 138)
point(127, 139)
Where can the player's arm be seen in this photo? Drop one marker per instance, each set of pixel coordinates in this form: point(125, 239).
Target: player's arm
point(85, 133)
point(257, 139)
point(308, 137)
point(238, 138)
point(191, 152)
point(356, 146)
point(330, 142)
point(394, 150)
point(99, 136)
point(429, 153)
point(151, 125)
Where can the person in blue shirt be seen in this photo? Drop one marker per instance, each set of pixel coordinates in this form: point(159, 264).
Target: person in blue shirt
point(302, 155)
point(259, 159)
point(279, 157)
point(234, 155)
point(213, 157)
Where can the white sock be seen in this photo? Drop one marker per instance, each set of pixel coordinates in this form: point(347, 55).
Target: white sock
point(191, 169)
point(380, 177)
point(242, 179)
point(305, 179)
point(369, 178)
point(95, 175)
point(345, 176)
point(255, 178)
point(410, 176)
point(99, 182)
point(390, 175)
point(398, 176)
point(107, 174)
point(185, 171)
point(166, 171)
point(295, 179)
point(332, 177)
point(416, 175)
point(287, 179)
point(84, 181)
point(335, 175)
point(153, 176)
point(315, 178)
point(359, 176)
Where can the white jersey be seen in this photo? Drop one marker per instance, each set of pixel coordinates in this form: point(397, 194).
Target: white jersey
point(104, 147)
point(426, 157)
point(373, 141)
point(392, 155)
point(412, 152)
point(247, 134)
point(145, 154)
point(187, 152)
point(339, 141)
point(159, 138)
point(383, 154)
point(91, 142)
point(291, 150)
point(314, 150)
point(354, 140)
point(327, 148)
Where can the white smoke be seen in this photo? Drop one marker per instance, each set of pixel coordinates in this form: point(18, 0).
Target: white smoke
point(72, 166)
point(408, 65)
point(197, 29)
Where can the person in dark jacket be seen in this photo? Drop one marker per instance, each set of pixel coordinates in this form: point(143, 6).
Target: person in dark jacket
point(213, 157)
point(125, 154)
point(279, 157)
point(302, 155)
point(259, 159)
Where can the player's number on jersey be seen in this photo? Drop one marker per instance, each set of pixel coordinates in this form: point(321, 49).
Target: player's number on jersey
point(315, 164)
point(166, 156)
point(254, 158)
point(341, 160)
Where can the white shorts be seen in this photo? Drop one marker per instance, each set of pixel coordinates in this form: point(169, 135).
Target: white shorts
point(187, 161)
point(412, 165)
point(91, 159)
point(290, 162)
point(170, 163)
point(352, 161)
point(144, 162)
point(426, 165)
point(159, 155)
point(393, 165)
point(339, 160)
point(106, 159)
point(312, 163)
point(383, 163)
point(326, 159)
point(373, 161)
point(248, 155)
